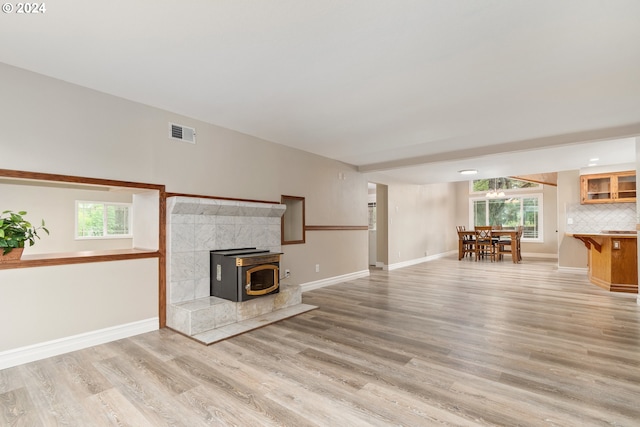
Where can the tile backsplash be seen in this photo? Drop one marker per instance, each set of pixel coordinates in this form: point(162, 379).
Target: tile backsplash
point(598, 217)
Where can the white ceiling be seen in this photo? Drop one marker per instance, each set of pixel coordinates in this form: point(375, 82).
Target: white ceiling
point(408, 91)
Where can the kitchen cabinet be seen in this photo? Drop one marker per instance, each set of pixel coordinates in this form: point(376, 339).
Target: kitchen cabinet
point(617, 187)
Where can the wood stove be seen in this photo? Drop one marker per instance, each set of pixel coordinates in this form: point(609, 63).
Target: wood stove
point(244, 274)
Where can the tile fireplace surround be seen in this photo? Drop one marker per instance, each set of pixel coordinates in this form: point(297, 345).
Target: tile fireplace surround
point(196, 226)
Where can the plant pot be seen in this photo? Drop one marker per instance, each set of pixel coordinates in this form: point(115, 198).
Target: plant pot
point(14, 255)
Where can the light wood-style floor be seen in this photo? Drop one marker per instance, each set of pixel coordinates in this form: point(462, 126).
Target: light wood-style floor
point(441, 343)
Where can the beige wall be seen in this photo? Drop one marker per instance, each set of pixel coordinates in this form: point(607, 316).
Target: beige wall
point(549, 246)
point(55, 127)
point(571, 252)
point(462, 203)
point(421, 221)
point(47, 303)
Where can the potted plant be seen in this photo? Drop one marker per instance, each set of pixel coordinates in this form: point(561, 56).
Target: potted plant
point(15, 231)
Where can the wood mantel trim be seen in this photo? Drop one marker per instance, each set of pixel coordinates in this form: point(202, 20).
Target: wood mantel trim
point(588, 242)
point(167, 195)
point(335, 227)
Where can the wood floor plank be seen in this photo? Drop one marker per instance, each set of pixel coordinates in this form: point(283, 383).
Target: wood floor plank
point(52, 401)
point(245, 398)
point(447, 342)
point(111, 408)
point(16, 409)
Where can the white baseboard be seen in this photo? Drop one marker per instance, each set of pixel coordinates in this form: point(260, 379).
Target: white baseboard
point(333, 280)
point(52, 348)
point(573, 270)
point(539, 255)
point(418, 260)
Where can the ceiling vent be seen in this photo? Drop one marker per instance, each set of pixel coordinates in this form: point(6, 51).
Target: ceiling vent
point(182, 133)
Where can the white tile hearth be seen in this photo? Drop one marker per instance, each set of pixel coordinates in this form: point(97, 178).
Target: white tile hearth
point(205, 316)
point(238, 328)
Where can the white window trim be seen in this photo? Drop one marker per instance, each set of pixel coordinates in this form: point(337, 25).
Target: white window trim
point(519, 194)
point(104, 236)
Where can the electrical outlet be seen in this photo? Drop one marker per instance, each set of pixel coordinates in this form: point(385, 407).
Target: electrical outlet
point(317, 268)
point(287, 272)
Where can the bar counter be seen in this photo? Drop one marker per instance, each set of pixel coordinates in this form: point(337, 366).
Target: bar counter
point(613, 259)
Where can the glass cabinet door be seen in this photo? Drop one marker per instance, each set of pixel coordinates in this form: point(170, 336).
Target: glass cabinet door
point(599, 188)
point(627, 187)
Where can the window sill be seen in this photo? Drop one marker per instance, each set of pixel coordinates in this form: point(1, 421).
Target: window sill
point(42, 260)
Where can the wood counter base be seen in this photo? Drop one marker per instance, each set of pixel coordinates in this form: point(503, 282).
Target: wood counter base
point(613, 260)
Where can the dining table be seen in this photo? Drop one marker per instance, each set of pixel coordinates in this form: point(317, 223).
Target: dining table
point(464, 236)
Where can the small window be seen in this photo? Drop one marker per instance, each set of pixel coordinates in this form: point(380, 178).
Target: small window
point(98, 220)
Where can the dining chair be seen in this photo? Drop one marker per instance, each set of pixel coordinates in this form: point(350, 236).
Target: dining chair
point(466, 242)
point(484, 243)
point(507, 245)
point(520, 229)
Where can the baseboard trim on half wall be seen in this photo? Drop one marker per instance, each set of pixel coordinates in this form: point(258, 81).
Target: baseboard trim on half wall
point(31, 353)
point(333, 280)
point(418, 260)
point(573, 270)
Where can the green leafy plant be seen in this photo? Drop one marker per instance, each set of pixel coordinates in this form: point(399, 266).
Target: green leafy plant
point(15, 231)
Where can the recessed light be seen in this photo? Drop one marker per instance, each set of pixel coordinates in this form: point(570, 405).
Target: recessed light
point(592, 164)
point(595, 159)
point(468, 172)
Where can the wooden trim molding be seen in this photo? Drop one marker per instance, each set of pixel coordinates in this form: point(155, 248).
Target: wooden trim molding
point(39, 176)
point(43, 260)
point(293, 221)
point(162, 261)
point(336, 227)
point(220, 198)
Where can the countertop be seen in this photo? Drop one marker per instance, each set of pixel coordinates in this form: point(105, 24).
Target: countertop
point(607, 233)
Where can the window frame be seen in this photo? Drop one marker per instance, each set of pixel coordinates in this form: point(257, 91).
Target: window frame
point(509, 194)
point(105, 228)
point(538, 187)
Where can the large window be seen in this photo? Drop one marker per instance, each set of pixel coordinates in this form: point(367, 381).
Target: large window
point(103, 220)
point(508, 203)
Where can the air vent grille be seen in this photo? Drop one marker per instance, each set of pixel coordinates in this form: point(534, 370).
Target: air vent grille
point(182, 133)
